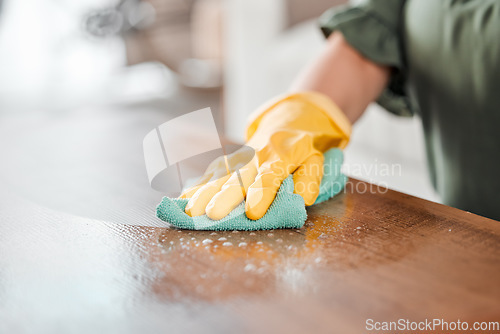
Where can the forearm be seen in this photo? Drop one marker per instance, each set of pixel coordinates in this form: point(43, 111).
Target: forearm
point(343, 74)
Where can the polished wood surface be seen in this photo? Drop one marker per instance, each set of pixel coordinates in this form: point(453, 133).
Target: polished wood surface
point(82, 252)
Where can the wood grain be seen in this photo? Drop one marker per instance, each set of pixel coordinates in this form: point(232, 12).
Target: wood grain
point(81, 250)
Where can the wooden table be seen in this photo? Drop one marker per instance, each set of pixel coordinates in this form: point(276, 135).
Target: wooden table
point(82, 252)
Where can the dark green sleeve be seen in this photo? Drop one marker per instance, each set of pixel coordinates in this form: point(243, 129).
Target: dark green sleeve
point(374, 28)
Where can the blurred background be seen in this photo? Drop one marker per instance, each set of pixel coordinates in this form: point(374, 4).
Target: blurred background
point(61, 57)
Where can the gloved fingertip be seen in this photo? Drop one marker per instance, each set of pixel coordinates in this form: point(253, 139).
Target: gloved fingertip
point(214, 212)
point(188, 193)
point(254, 214)
point(258, 202)
point(310, 194)
point(309, 199)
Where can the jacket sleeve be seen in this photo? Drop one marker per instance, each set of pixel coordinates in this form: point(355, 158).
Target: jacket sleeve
point(375, 29)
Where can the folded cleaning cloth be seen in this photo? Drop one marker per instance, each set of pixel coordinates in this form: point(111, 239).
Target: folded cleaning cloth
point(287, 210)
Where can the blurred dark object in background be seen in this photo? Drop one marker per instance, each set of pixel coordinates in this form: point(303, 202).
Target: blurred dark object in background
point(186, 36)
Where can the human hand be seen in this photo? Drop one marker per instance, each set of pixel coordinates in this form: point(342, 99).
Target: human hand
point(289, 136)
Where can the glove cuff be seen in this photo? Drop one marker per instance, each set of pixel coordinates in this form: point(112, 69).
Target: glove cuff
point(320, 101)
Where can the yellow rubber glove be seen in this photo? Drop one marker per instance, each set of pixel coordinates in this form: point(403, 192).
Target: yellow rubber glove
point(289, 135)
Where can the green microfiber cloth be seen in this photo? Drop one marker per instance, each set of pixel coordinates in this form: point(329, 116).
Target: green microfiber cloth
point(286, 211)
